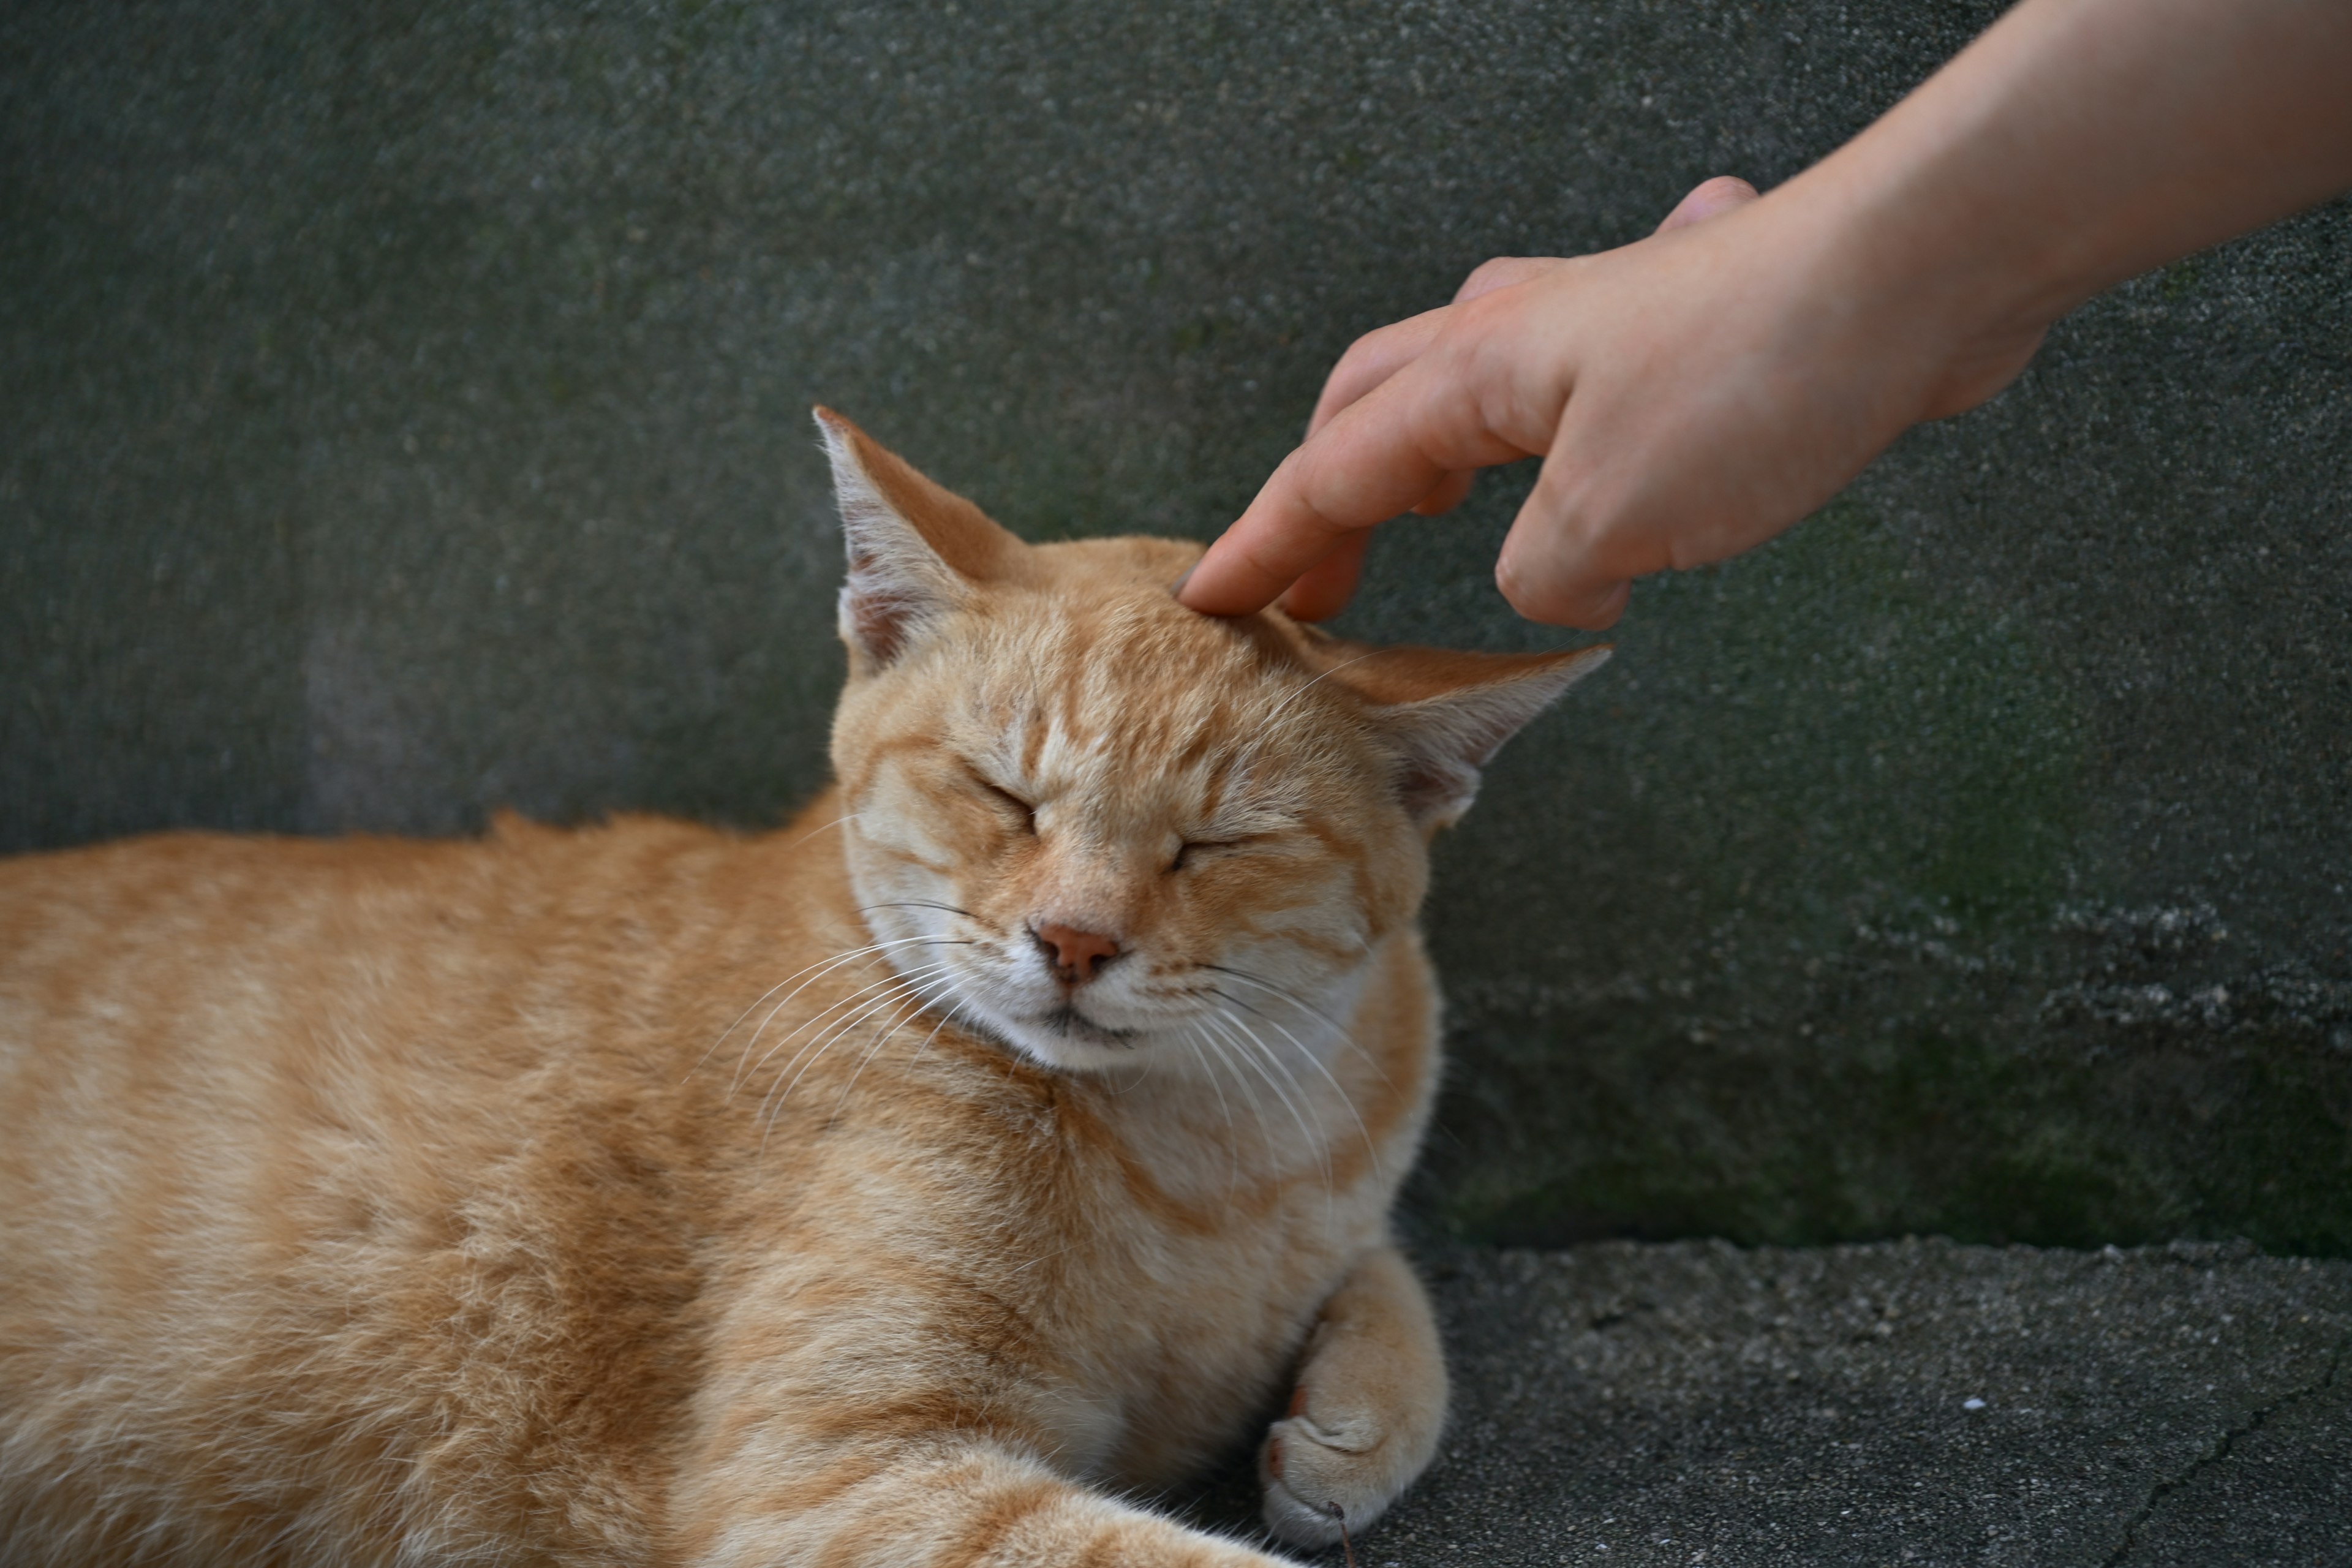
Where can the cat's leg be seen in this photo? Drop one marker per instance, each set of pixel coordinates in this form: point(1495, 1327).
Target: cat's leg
point(1369, 1404)
point(946, 1502)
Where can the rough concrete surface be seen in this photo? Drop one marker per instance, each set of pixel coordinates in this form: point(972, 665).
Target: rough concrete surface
point(1912, 1402)
point(403, 412)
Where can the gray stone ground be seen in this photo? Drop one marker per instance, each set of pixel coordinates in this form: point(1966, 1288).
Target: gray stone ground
point(1912, 1402)
point(403, 412)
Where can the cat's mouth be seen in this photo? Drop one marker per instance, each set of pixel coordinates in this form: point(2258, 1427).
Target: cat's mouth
point(1070, 1024)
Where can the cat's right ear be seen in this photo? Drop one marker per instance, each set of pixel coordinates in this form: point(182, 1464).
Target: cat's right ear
point(916, 550)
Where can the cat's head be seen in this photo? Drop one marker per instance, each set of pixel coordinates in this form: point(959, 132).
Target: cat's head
point(1104, 828)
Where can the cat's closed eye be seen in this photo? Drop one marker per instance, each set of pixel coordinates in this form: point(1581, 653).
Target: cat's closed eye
point(1024, 812)
point(1192, 850)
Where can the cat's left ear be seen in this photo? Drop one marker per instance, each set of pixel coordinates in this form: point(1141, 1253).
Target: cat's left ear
point(916, 549)
point(1446, 713)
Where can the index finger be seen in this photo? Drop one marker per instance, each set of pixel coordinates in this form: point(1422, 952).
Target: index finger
point(1273, 545)
point(1374, 460)
point(1371, 360)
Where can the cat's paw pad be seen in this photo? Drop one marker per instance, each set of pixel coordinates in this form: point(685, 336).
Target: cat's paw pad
point(1317, 1474)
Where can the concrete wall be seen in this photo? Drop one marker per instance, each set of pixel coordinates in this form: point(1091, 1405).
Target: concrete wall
point(404, 415)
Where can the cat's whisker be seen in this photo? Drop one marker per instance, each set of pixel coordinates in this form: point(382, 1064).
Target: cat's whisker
point(837, 822)
point(955, 1006)
point(1316, 1063)
point(918, 904)
point(763, 996)
point(1284, 993)
point(1045, 1258)
point(1297, 692)
point(1255, 1012)
point(1290, 1073)
point(915, 998)
point(1224, 1063)
point(772, 1110)
point(838, 1012)
point(922, 999)
point(823, 968)
point(1192, 1038)
point(1275, 1059)
point(815, 1050)
point(956, 1013)
point(742, 1072)
point(1338, 1035)
point(815, 1020)
point(1252, 1050)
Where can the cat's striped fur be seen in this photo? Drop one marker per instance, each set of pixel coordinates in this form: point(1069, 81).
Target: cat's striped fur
point(648, 1194)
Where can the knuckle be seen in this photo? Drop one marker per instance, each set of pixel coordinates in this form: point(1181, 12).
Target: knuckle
point(1536, 590)
point(1485, 270)
point(1353, 359)
point(1493, 273)
point(1515, 589)
point(1475, 318)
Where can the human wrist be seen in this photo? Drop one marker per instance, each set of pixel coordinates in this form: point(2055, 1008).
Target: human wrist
point(1980, 208)
point(1910, 311)
point(2079, 143)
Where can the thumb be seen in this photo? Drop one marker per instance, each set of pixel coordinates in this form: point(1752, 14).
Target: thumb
point(1554, 598)
point(1709, 198)
point(1560, 564)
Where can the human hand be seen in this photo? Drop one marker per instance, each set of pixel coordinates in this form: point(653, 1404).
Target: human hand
point(1695, 393)
point(1691, 395)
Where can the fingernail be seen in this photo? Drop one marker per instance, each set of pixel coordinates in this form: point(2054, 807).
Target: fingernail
point(1176, 589)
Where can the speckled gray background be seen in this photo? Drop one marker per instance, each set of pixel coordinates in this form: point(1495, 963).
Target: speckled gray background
point(404, 414)
point(1690, 1405)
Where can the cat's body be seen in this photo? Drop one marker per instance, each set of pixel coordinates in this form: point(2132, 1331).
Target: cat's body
point(638, 1194)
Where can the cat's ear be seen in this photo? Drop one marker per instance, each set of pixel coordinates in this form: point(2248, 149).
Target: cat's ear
point(916, 549)
point(1446, 713)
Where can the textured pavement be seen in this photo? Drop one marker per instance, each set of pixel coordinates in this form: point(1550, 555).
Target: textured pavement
point(1912, 1402)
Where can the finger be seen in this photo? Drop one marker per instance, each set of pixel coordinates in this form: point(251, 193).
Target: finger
point(1371, 360)
point(1272, 546)
point(1570, 561)
point(1596, 608)
point(1376, 459)
point(1449, 493)
point(1709, 198)
point(1398, 445)
point(1538, 589)
point(1502, 272)
point(1377, 355)
point(1325, 588)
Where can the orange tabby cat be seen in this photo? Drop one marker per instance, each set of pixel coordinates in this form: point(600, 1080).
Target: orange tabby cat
point(892, 1189)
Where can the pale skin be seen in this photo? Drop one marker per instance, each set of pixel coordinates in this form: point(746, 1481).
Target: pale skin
point(1697, 392)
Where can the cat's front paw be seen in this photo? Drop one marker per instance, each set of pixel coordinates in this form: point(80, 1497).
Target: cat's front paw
point(1369, 1404)
point(1320, 1473)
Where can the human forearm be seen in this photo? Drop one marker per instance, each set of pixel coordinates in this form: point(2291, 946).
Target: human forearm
point(2079, 143)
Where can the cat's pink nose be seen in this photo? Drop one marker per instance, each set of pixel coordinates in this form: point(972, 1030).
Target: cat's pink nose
point(1077, 956)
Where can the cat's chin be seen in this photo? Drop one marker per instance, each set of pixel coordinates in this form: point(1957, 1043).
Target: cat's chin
point(1068, 1022)
point(1076, 1046)
point(1068, 1041)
